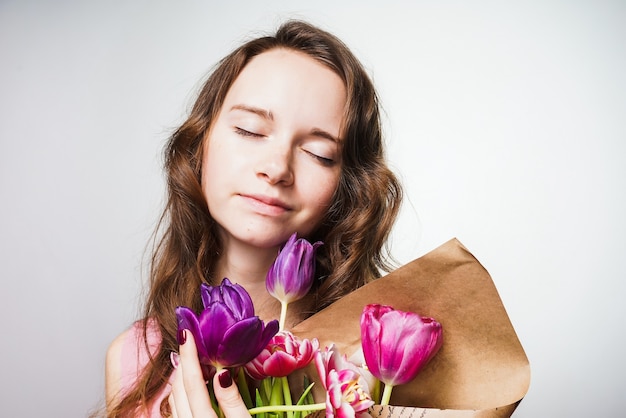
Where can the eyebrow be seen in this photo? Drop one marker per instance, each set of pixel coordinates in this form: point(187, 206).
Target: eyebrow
point(265, 114)
point(268, 115)
point(323, 134)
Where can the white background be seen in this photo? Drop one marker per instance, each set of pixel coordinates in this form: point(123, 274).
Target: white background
point(505, 121)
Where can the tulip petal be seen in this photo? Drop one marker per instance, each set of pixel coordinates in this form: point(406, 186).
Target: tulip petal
point(188, 320)
point(244, 341)
point(238, 300)
point(215, 321)
point(345, 411)
point(234, 296)
point(205, 294)
point(346, 390)
point(271, 329)
point(280, 364)
point(397, 342)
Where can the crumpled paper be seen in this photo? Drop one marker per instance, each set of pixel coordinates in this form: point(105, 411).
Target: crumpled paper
point(481, 369)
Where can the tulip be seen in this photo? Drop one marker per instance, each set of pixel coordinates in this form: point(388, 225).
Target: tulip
point(396, 344)
point(346, 390)
point(226, 332)
point(284, 354)
point(291, 275)
point(232, 295)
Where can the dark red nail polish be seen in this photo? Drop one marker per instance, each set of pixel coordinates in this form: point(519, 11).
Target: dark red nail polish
point(182, 336)
point(225, 379)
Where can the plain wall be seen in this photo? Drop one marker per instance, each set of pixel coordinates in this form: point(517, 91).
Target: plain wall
point(505, 121)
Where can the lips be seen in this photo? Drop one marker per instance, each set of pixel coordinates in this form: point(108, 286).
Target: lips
point(266, 205)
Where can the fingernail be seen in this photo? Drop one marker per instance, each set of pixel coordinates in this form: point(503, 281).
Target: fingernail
point(175, 359)
point(225, 379)
point(182, 336)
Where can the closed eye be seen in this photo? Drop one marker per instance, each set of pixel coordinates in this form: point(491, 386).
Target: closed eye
point(243, 132)
point(328, 162)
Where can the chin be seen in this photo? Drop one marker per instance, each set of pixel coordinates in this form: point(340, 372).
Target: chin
point(262, 239)
point(264, 234)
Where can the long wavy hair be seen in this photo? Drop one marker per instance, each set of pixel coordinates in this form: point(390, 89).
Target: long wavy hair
point(354, 230)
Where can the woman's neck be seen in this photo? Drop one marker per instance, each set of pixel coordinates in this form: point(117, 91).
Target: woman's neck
point(244, 264)
point(247, 266)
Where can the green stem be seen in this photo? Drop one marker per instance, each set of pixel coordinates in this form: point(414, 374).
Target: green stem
point(276, 396)
point(287, 408)
point(283, 315)
point(242, 384)
point(375, 392)
point(386, 395)
point(287, 395)
point(216, 406)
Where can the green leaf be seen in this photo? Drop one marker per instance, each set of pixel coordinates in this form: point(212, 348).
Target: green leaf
point(276, 396)
point(266, 390)
point(305, 399)
point(259, 403)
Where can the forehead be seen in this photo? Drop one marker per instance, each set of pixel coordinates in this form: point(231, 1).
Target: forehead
point(290, 82)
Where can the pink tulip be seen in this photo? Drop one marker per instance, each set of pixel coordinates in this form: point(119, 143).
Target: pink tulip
point(347, 392)
point(284, 354)
point(397, 344)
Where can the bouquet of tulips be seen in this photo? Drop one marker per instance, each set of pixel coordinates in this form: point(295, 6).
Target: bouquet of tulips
point(396, 345)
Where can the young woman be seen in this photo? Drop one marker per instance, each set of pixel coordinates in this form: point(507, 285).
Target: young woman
point(284, 137)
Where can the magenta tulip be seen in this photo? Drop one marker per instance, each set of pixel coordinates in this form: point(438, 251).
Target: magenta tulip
point(284, 354)
point(397, 344)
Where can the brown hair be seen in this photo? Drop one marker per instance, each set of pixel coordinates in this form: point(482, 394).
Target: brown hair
point(354, 230)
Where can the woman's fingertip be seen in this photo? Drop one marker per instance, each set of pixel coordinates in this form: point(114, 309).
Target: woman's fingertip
point(225, 379)
point(182, 336)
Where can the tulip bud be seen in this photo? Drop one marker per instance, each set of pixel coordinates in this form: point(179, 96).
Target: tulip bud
point(397, 344)
point(291, 276)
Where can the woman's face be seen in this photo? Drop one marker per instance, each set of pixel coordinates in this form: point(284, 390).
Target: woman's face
point(272, 160)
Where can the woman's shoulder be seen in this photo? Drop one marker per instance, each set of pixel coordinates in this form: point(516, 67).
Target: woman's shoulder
point(133, 347)
point(117, 345)
point(128, 354)
point(134, 335)
point(113, 366)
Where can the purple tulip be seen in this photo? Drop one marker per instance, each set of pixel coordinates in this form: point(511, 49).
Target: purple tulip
point(226, 332)
point(397, 344)
point(291, 276)
point(234, 296)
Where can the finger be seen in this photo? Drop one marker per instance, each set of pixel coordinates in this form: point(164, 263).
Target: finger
point(172, 403)
point(178, 397)
point(228, 396)
point(197, 394)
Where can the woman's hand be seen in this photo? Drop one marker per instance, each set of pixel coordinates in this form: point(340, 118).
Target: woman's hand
point(189, 397)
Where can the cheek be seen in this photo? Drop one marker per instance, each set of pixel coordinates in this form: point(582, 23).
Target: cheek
point(322, 191)
point(212, 166)
point(217, 159)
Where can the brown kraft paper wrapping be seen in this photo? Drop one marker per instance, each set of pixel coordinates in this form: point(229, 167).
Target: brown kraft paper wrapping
point(481, 369)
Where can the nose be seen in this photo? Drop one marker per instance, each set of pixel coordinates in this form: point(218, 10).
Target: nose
point(275, 166)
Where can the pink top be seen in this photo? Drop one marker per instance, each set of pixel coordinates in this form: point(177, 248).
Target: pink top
point(135, 358)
